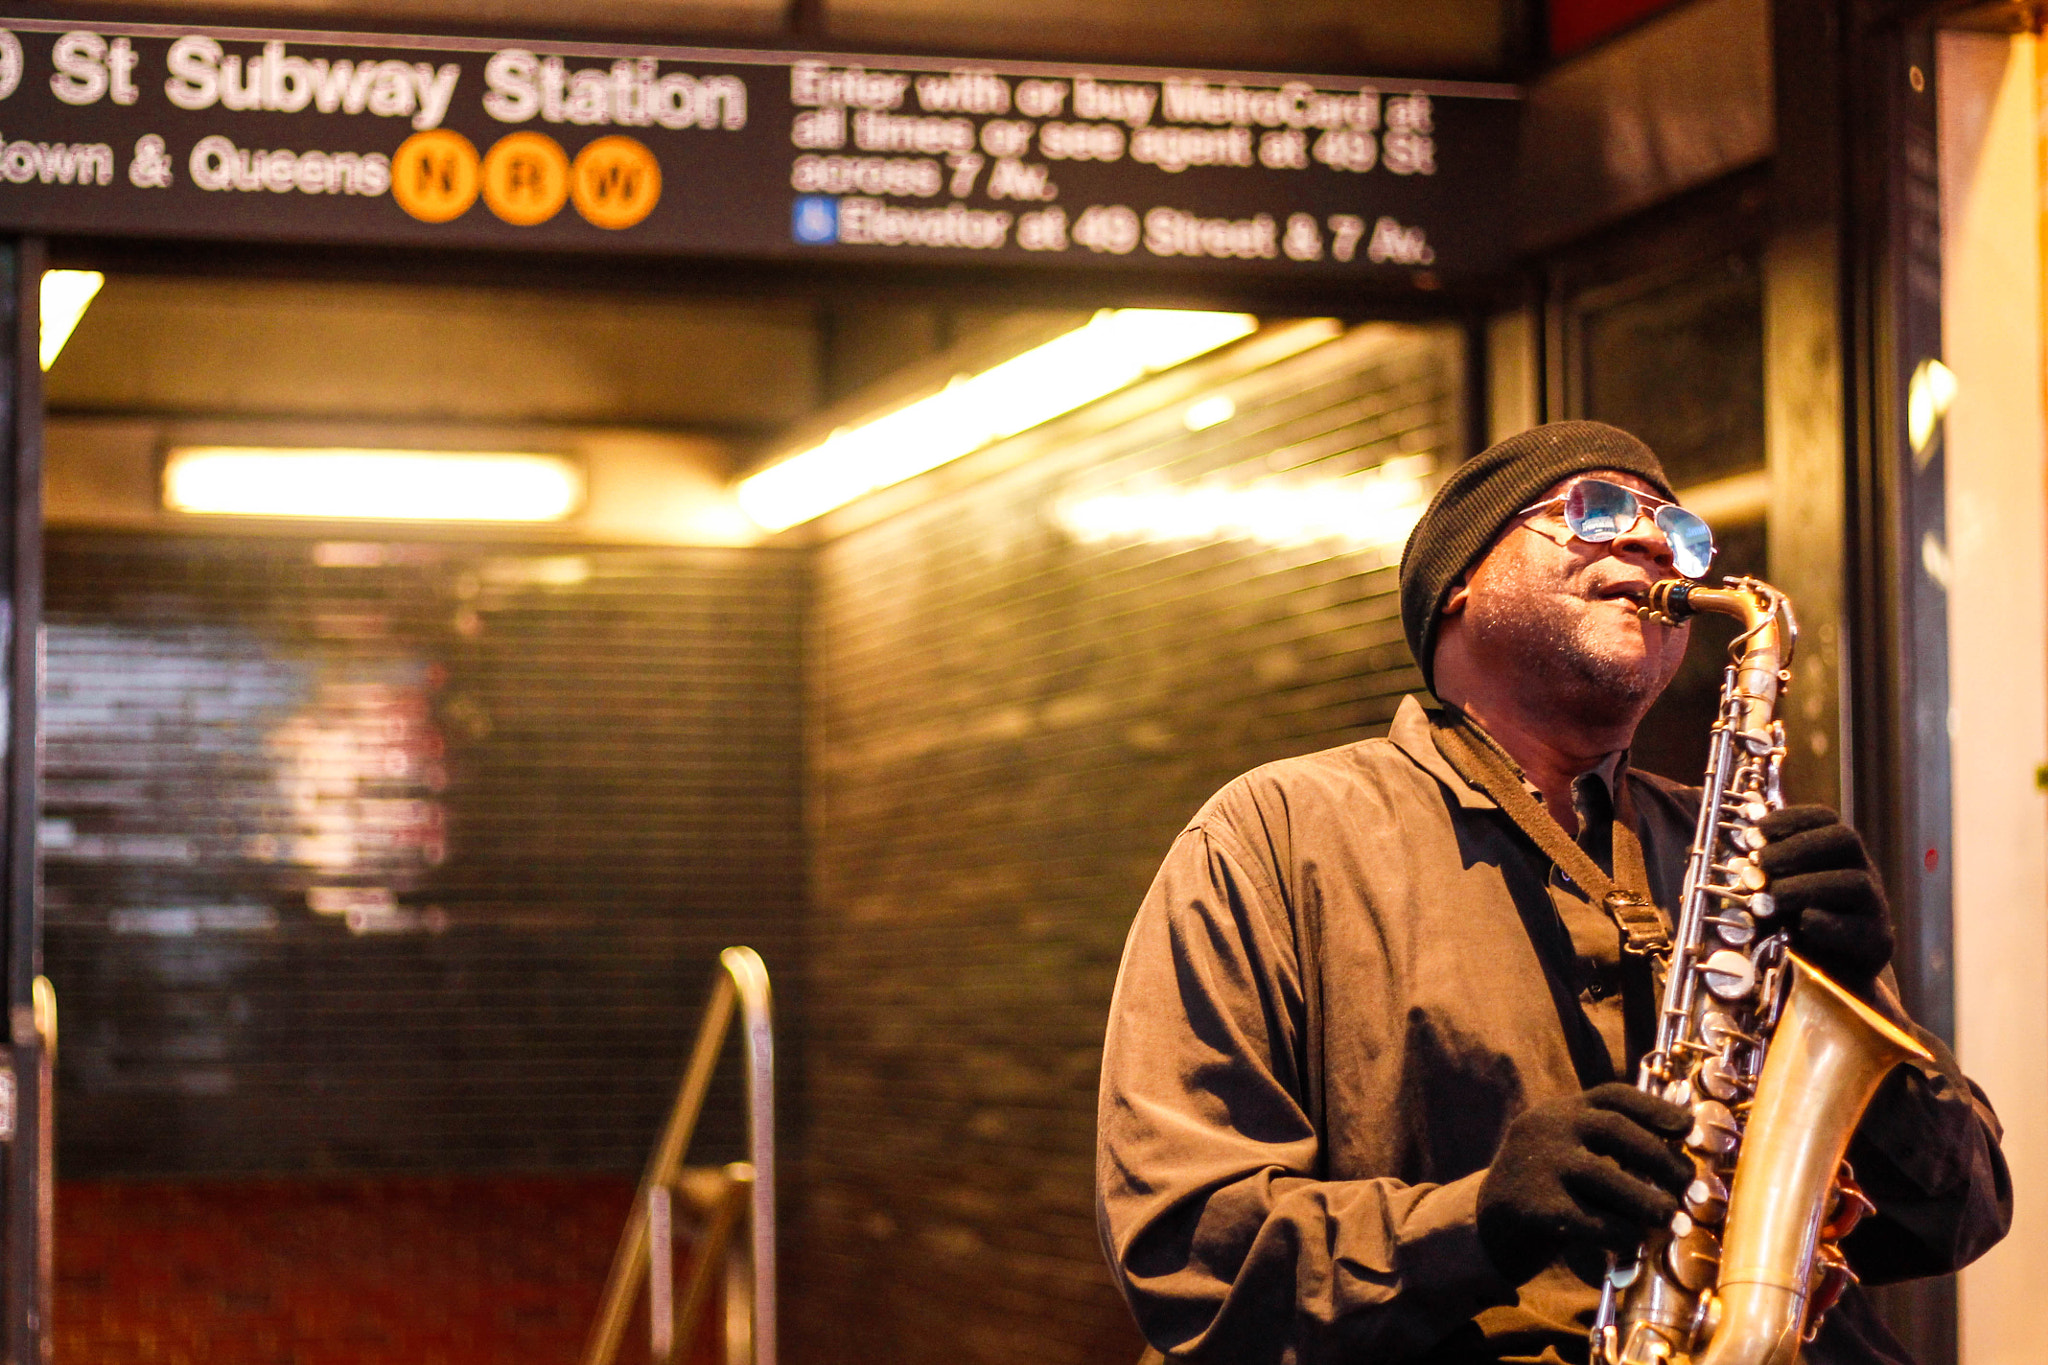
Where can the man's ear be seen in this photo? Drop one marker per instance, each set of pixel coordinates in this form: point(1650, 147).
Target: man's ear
point(1460, 591)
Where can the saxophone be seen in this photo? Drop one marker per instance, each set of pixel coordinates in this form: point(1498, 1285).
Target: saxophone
point(1776, 1062)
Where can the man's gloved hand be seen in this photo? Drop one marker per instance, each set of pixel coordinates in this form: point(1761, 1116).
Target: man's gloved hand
point(1596, 1168)
point(1827, 893)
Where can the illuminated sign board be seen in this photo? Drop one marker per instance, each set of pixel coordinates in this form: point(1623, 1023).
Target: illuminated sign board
point(169, 131)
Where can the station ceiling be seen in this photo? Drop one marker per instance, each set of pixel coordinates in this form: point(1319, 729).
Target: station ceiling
point(662, 398)
point(288, 349)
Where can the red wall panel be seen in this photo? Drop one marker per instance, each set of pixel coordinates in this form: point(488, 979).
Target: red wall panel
point(434, 1270)
point(1575, 24)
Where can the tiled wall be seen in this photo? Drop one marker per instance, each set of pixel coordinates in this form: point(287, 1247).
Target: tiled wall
point(405, 857)
point(1018, 692)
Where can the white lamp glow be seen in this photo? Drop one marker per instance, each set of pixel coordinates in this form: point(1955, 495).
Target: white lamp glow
point(1208, 412)
point(1373, 509)
point(65, 296)
point(1929, 396)
point(1117, 348)
point(371, 485)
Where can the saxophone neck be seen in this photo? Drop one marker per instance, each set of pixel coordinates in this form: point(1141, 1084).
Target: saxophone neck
point(1761, 652)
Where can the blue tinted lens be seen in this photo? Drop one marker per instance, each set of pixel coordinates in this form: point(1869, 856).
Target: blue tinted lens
point(1692, 543)
point(1597, 510)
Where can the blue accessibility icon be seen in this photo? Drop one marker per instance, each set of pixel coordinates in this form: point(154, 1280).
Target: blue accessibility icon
point(815, 220)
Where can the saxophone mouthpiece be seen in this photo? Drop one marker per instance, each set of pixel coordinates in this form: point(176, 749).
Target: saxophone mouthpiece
point(1670, 602)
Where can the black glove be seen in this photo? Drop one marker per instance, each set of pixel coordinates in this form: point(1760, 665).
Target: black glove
point(1596, 1168)
point(1826, 891)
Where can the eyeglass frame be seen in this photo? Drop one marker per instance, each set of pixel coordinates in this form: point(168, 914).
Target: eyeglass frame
point(1647, 505)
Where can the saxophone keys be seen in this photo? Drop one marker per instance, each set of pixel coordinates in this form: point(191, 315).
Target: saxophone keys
point(1754, 810)
point(1735, 928)
point(1849, 1206)
point(1706, 1199)
point(1748, 838)
point(1694, 1257)
point(1719, 1032)
point(1831, 1279)
point(1763, 905)
point(1718, 1077)
point(1729, 975)
point(1745, 874)
point(1713, 1129)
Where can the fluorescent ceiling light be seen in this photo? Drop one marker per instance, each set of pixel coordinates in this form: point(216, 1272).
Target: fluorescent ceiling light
point(1373, 509)
point(371, 485)
point(65, 294)
point(1213, 411)
point(1116, 348)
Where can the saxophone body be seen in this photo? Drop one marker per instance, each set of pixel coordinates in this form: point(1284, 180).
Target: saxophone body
point(1776, 1062)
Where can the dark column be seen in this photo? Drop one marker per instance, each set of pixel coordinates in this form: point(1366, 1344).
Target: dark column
point(1853, 306)
point(1896, 603)
point(1805, 422)
point(1900, 601)
point(27, 1178)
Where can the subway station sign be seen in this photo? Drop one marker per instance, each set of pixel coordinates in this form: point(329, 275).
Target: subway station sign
point(167, 131)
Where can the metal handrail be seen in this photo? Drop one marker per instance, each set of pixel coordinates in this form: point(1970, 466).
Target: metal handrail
point(743, 976)
point(750, 975)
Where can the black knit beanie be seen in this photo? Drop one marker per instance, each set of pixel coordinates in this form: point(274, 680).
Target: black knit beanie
point(1483, 494)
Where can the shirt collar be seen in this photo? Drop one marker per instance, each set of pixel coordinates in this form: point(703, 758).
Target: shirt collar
point(1414, 733)
point(1594, 794)
point(1608, 772)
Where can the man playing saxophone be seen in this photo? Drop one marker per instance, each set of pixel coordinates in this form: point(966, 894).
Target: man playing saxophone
point(1364, 1091)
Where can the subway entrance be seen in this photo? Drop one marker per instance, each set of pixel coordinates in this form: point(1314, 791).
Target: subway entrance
point(889, 494)
point(387, 861)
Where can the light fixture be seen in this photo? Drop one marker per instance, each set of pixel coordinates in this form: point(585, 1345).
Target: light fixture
point(371, 485)
point(1928, 397)
point(65, 295)
point(1116, 348)
point(1212, 411)
point(1372, 510)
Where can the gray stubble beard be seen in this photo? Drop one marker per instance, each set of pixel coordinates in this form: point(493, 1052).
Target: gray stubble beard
point(1593, 688)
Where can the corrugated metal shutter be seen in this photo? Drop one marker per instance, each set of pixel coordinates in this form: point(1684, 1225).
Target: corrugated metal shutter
point(405, 856)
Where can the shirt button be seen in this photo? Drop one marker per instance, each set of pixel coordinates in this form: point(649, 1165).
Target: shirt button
point(1598, 991)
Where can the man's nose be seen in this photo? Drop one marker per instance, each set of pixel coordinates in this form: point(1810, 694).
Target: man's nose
point(1645, 540)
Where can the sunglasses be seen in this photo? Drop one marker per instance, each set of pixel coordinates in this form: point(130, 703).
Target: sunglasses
point(1598, 511)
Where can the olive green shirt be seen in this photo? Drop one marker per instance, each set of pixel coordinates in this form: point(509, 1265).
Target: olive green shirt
point(1351, 973)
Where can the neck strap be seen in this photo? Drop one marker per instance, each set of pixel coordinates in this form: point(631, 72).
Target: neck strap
point(1625, 896)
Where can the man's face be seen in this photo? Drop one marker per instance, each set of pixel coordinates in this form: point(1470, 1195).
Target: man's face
point(1559, 614)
